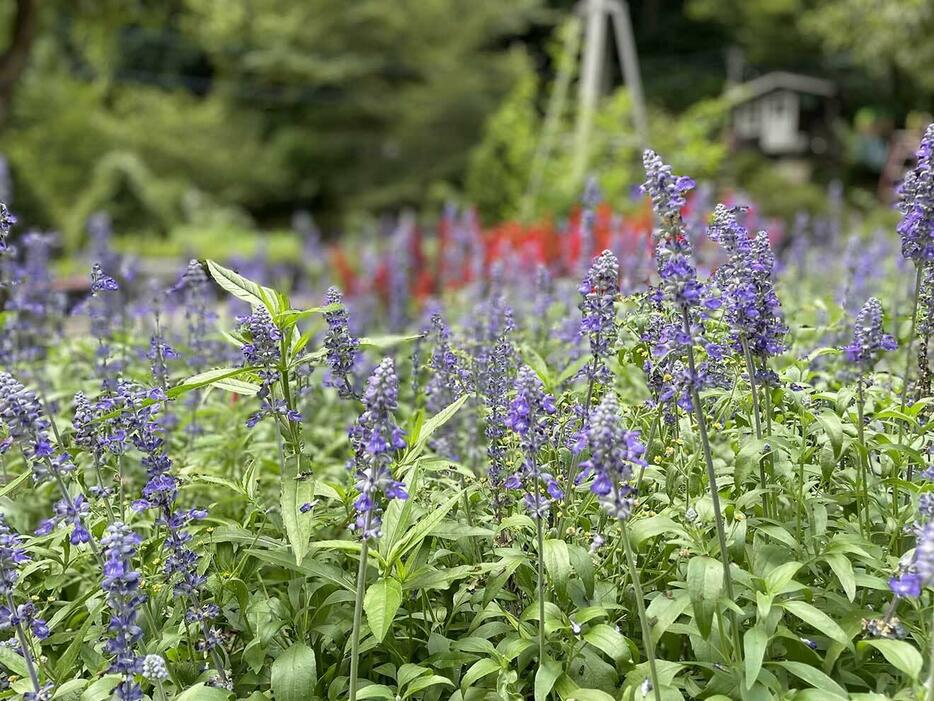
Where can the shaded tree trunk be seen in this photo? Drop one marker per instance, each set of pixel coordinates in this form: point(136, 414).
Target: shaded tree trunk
point(13, 60)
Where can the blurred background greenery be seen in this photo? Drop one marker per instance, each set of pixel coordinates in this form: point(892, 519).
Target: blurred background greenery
point(187, 118)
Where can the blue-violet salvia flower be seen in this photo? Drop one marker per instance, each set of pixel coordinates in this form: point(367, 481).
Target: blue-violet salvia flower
point(7, 220)
point(448, 382)
point(599, 290)
point(666, 190)
point(375, 437)
point(920, 573)
point(121, 583)
point(869, 341)
point(531, 416)
point(342, 347)
point(614, 454)
point(916, 204)
point(24, 616)
point(751, 306)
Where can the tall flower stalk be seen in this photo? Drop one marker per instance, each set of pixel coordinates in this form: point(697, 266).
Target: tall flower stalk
point(25, 420)
point(752, 310)
point(137, 424)
point(614, 454)
point(342, 347)
point(916, 230)
point(863, 352)
point(23, 617)
point(530, 416)
point(122, 585)
point(375, 437)
point(599, 290)
point(687, 298)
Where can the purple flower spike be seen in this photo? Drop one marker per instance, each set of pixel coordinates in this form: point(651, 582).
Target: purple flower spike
point(614, 453)
point(374, 437)
point(869, 342)
point(916, 204)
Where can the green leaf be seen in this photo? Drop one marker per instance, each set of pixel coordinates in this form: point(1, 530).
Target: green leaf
point(705, 584)
point(203, 692)
point(376, 691)
point(478, 670)
point(843, 568)
point(755, 642)
point(13, 661)
point(432, 425)
point(545, 678)
point(101, 689)
point(609, 641)
point(388, 341)
point(290, 317)
point(70, 690)
point(294, 673)
point(63, 666)
point(217, 377)
point(812, 676)
point(646, 528)
point(747, 460)
point(833, 427)
point(11, 486)
point(424, 683)
point(422, 529)
point(900, 654)
point(816, 618)
point(293, 493)
point(308, 567)
point(557, 564)
point(381, 602)
point(780, 576)
point(538, 364)
point(244, 289)
point(582, 562)
point(572, 370)
point(408, 672)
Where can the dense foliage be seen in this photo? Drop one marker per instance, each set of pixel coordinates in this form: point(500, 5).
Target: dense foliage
point(628, 487)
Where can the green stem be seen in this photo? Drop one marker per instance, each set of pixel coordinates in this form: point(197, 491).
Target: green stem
point(540, 533)
point(712, 480)
point(27, 653)
point(930, 684)
point(757, 419)
point(358, 612)
point(574, 460)
point(640, 608)
point(911, 337)
point(648, 449)
point(862, 489)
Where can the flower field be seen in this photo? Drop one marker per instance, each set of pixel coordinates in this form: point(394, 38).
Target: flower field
point(693, 465)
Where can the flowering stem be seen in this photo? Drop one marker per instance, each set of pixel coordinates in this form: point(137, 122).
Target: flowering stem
point(751, 371)
point(358, 611)
point(540, 534)
point(640, 608)
point(71, 507)
point(930, 684)
point(27, 653)
point(160, 691)
point(648, 449)
point(121, 488)
point(911, 337)
point(215, 655)
point(574, 460)
point(862, 487)
point(712, 479)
